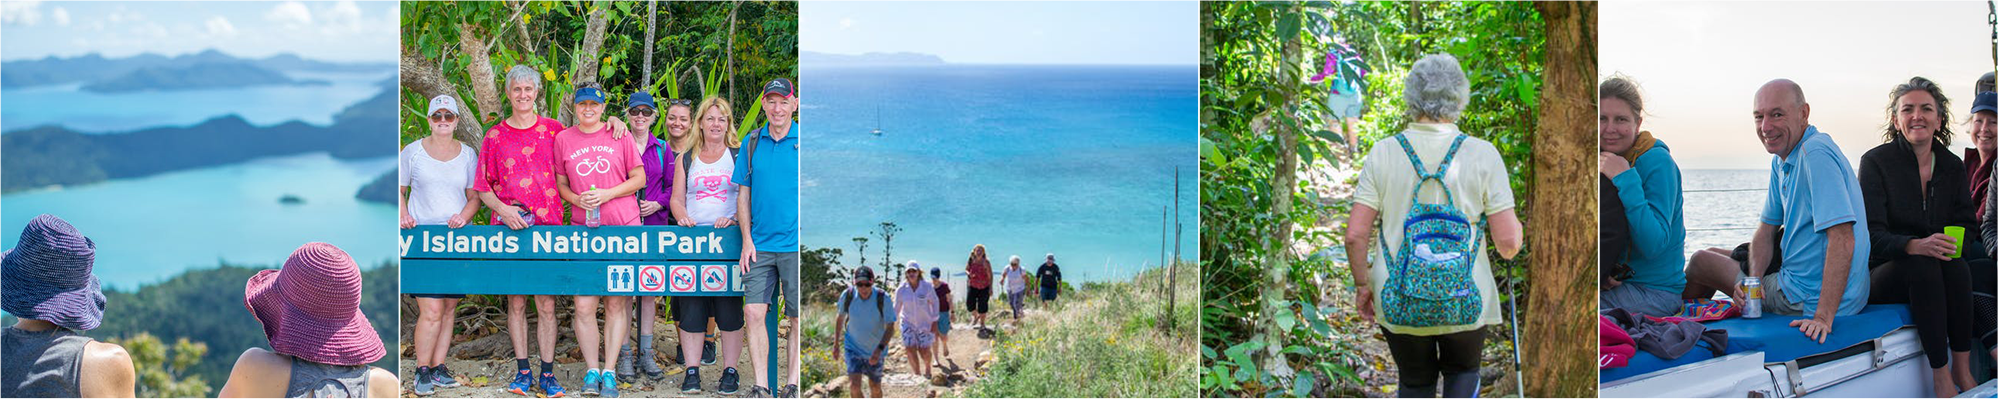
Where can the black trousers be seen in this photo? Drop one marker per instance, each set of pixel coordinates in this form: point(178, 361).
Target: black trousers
point(1421, 360)
point(1937, 293)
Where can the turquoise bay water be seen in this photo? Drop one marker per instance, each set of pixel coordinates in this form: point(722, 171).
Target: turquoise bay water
point(1028, 160)
point(148, 229)
point(84, 111)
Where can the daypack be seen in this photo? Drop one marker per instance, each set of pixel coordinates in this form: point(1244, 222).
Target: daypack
point(1430, 279)
point(846, 302)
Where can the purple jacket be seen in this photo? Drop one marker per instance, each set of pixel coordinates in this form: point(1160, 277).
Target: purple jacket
point(658, 181)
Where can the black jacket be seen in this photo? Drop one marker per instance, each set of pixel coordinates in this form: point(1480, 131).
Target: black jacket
point(1898, 209)
point(1613, 232)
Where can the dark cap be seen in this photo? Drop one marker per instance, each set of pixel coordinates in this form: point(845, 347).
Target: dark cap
point(864, 273)
point(779, 86)
point(1985, 102)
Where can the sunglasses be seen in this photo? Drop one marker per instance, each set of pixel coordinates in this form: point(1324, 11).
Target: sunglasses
point(864, 284)
point(680, 102)
point(639, 111)
point(443, 117)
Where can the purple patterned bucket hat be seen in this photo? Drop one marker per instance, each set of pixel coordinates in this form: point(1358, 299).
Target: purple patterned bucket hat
point(48, 276)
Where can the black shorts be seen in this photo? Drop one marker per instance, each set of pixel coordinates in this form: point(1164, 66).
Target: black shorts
point(692, 312)
point(978, 300)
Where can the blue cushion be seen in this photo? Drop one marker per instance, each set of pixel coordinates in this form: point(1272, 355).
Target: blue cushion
point(1779, 342)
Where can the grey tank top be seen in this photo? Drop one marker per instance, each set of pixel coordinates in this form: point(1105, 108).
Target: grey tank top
point(42, 364)
point(318, 380)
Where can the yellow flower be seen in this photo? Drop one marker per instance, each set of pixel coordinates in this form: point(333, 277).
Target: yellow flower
point(525, 18)
point(549, 74)
point(607, 60)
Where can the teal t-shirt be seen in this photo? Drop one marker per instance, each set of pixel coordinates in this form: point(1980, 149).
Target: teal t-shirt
point(1810, 191)
point(866, 323)
point(1654, 203)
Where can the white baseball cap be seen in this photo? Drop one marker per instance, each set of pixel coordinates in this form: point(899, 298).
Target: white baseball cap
point(442, 102)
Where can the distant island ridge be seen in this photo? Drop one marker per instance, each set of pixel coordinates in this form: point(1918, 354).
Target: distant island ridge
point(205, 69)
point(51, 156)
point(819, 59)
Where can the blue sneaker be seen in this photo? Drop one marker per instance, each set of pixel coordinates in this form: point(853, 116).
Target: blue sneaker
point(590, 382)
point(550, 387)
point(610, 384)
point(523, 383)
point(423, 387)
point(441, 377)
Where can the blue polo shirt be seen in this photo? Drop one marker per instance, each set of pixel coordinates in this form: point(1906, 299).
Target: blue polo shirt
point(773, 194)
point(1812, 190)
point(866, 321)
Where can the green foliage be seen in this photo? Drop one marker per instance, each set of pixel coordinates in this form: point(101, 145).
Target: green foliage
point(737, 45)
point(1102, 342)
point(1253, 91)
point(821, 274)
point(163, 376)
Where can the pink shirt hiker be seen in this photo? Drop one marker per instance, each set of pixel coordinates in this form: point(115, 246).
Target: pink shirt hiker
point(518, 165)
point(596, 159)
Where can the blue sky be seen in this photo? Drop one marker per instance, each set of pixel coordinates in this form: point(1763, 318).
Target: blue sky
point(324, 30)
point(1154, 33)
point(1699, 64)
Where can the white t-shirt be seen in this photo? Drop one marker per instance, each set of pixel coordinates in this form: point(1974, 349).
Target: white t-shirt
point(436, 187)
point(1016, 279)
point(1478, 180)
point(710, 194)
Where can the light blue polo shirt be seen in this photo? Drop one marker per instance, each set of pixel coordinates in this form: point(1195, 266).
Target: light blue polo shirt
point(866, 322)
point(1810, 191)
point(773, 194)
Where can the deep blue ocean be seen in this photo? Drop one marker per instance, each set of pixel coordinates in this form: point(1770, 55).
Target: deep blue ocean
point(1028, 160)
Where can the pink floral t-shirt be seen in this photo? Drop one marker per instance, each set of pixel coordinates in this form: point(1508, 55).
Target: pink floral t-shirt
point(596, 159)
point(518, 165)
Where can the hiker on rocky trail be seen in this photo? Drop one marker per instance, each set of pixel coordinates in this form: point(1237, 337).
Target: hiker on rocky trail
point(943, 312)
point(865, 326)
point(1015, 280)
point(978, 280)
point(49, 285)
point(916, 307)
point(1049, 275)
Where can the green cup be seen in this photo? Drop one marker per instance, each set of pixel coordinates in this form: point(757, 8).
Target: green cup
point(1955, 232)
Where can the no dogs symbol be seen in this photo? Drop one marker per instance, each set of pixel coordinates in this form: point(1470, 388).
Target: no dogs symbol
point(683, 278)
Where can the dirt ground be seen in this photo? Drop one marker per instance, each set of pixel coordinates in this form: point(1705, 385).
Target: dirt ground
point(485, 365)
point(969, 352)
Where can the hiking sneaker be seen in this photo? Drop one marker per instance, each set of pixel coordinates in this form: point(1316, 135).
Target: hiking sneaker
point(441, 377)
point(624, 359)
point(650, 366)
point(610, 384)
point(788, 391)
point(759, 392)
point(729, 379)
point(708, 353)
point(423, 387)
point(590, 383)
point(522, 384)
point(692, 382)
point(551, 387)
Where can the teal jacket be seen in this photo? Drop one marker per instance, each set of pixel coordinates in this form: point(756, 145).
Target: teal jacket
point(1654, 203)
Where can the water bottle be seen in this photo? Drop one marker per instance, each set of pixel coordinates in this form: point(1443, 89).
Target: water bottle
point(525, 216)
point(1752, 306)
point(595, 217)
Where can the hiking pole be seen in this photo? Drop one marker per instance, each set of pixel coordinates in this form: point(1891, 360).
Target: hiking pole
point(1512, 300)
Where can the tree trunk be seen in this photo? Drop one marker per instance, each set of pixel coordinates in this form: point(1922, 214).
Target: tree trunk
point(1276, 270)
point(479, 70)
point(422, 75)
point(1563, 265)
point(651, 18)
point(586, 54)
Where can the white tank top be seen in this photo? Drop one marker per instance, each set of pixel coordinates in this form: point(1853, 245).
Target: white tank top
point(710, 194)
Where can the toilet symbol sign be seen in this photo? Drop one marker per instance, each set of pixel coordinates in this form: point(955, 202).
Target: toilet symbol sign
point(714, 278)
point(682, 278)
point(618, 278)
point(652, 278)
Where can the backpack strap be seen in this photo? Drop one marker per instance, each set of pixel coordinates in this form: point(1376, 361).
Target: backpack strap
point(749, 148)
point(1423, 173)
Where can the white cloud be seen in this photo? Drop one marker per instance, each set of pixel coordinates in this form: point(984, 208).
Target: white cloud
point(291, 13)
point(22, 13)
point(121, 15)
point(845, 23)
point(219, 26)
point(60, 16)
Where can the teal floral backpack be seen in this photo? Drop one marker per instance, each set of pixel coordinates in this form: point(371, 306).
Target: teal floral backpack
point(1430, 279)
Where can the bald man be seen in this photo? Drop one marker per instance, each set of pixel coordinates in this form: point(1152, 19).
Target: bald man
point(1815, 198)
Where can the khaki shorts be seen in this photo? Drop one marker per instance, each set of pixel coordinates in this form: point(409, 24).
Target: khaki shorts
point(1773, 300)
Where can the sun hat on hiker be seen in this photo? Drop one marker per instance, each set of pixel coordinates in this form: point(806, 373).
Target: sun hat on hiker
point(443, 102)
point(936, 272)
point(863, 274)
point(1050, 256)
point(311, 308)
point(48, 276)
point(1014, 260)
point(1984, 102)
